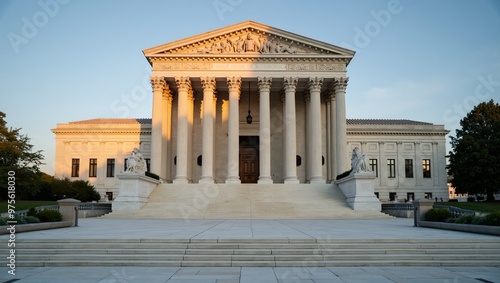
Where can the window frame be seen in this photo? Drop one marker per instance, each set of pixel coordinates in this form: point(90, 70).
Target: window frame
point(391, 168)
point(409, 168)
point(75, 167)
point(92, 167)
point(373, 163)
point(426, 168)
point(110, 167)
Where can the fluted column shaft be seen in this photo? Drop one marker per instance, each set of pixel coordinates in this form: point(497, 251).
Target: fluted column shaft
point(158, 84)
point(333, 135)
point(340, 85)
point(290, 141)
point(208, 85)
point(183, 86)
point(233, 139)
point(166, 133)
point(315, 126)
point(265, 131)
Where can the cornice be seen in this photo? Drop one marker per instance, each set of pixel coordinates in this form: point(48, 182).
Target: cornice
point(394, 133)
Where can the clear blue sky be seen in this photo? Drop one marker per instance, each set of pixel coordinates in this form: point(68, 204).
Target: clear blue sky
point(68, 60)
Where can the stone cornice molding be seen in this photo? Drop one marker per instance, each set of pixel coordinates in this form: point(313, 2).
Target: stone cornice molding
point(395, 133)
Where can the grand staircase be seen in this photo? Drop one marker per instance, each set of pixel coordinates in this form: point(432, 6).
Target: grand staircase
point(257, 252)
point(247, 201)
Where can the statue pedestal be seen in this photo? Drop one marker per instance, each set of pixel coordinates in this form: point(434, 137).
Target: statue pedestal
point(358, 189)
point(134, 191)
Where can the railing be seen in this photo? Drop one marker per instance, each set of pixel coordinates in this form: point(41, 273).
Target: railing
point(84, 207)
point(456, 211)
point(398, 206)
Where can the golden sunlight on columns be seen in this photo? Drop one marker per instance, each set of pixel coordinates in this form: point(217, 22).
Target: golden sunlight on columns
point(290, 139)
point(265, 131)
point(166, 151)
point(340, 85)
point(158, 84)
point(208, 84)
point(183, 85)
point(315, 127)
point(233, 174)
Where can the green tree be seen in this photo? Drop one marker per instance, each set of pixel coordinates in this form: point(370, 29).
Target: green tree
point(17, 155)
point(474, 161)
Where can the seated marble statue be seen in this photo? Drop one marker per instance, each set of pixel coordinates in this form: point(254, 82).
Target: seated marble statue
point(136, 162)
point(358, 162)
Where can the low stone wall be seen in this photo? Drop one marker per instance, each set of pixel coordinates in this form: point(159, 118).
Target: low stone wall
point(37, 226)
point(480, 229)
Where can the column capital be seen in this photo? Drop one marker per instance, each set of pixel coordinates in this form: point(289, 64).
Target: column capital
point(340, 84)
point(167, 93)
point(264, 83)
point(234, 84)
point(183, 83)
point(190, 94)
point(315, 84)
point(157, 83)
point(208, 83)
point(290, 84)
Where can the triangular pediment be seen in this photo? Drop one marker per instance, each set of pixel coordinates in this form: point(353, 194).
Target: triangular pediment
point(248, 38)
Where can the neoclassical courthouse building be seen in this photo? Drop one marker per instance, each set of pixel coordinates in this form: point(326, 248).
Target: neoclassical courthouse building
point(250, 103)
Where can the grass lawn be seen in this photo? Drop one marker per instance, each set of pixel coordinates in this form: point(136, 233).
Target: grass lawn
point(25, 204)
point(477, 206)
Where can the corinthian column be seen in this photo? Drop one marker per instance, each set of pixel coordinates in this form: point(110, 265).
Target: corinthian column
point(183, 86)
point(265, 131)
point(333, 134)
point(166, 151)
point(315, 126)
point(340, 85)
point(233, 139)
point(158, 84)
point(290, 141)
point(208, 84)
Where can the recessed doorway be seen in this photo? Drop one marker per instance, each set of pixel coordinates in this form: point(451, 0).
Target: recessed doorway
point(249, 159)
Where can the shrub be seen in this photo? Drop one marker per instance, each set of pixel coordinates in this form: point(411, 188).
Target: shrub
point(437, 214)
point(471, 199)
point(453, 200)
point(465, 219)
point(492, 218)
point(152, 175)
point(47, 215)
point(31, 219)
point(343, 175)
point(31, 211)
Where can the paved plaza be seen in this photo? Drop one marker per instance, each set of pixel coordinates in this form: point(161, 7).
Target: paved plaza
point(99, 228)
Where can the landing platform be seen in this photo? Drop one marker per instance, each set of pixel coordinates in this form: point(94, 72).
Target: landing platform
point(247, 201)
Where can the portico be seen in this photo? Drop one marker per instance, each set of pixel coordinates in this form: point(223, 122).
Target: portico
point(205, 86)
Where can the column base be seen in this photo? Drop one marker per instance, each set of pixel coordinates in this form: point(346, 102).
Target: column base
point(265, 180)
point(233, 180)
point(317, 180)
point(206, 180)
point(291, 180)
point(180, 180)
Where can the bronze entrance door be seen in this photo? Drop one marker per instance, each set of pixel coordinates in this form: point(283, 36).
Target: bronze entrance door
point(249, 159)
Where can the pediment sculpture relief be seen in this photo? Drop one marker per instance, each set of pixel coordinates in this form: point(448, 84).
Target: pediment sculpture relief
point(250, 44)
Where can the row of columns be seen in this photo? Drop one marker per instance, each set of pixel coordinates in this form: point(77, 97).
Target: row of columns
point(161, 128)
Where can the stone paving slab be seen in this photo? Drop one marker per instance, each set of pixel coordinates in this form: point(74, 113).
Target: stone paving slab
point(252, 274)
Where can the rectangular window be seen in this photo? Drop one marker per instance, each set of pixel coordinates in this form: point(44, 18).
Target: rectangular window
point(374, 166)
point(409, 168)
point(428, 195)
point(148, 164)
point(391, 168)
point(93, 167)
point(426, 167)
point(410, 196)
point(110, 168)
point(392, 196)
point(75, 167)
